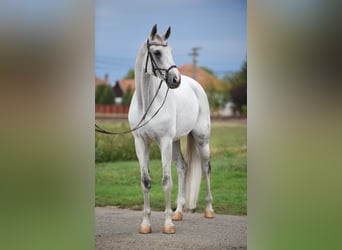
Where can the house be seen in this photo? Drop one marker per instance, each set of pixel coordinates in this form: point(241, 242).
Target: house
point(99, 81)
point(121, 87)
point(206, 79)
point(214, 87)
point(118, 91)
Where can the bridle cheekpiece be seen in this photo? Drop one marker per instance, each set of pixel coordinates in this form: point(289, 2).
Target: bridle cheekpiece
point(155, 67)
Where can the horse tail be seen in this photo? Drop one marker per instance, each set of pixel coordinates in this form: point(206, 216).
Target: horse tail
point(193, 174)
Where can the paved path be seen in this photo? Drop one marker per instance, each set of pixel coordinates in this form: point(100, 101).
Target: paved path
point(118, 229)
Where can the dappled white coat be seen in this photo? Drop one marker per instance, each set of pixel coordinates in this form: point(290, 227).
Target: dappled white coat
point(185, 112)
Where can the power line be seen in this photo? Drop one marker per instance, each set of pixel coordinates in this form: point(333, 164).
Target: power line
point(115, 58)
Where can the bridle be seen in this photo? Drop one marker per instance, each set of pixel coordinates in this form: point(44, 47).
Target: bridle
point(154, 69)
point(154, 63)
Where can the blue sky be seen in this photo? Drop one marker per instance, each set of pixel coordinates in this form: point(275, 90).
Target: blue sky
point(218, 27)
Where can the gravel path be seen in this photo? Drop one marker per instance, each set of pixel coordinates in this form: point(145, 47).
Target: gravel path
point(118, 229)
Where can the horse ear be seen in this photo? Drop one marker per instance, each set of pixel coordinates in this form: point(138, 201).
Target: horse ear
point(153, 31)
point(167, 33)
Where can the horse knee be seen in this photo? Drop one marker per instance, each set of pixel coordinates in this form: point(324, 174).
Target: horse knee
point(167, 183)
point(146, 183)
point(207, 168)
point(204, 149)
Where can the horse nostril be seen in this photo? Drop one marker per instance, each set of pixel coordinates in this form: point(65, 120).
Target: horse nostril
point(175, 80)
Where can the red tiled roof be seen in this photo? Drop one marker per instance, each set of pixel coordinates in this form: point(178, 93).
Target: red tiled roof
point(99, 81)
point(127, 83)
point(207, 80)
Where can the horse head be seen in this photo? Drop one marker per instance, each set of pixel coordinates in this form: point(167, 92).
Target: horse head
point(161, 60)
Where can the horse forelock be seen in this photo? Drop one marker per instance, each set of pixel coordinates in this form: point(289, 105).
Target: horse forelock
point(158, 39)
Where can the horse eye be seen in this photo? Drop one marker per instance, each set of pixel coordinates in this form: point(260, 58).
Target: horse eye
point(157, 53)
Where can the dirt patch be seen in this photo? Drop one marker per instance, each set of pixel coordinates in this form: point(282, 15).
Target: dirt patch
point(118, 229)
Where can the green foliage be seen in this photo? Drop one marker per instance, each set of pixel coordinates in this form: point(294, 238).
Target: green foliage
point(104, 94)
point(239, 77)
point(127, 97)
point(238, 95)
point(216, 99)
point(118, 183)
point(208, 70)
point(130, 74)
point(118, 147)
point(107, 96)
point(98, 92)
point(244, 110)
point(238, 92)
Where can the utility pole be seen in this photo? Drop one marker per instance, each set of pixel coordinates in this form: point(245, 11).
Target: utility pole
point(194, 55)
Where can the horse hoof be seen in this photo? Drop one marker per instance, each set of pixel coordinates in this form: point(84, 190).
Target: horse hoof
point(209, 214)
point(169, 229)
point(145, 229)
point(177, 216)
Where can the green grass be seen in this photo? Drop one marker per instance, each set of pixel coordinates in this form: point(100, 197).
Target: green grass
point(118, 183)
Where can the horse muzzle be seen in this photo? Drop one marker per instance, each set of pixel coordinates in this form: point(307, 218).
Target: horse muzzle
point(173, 78)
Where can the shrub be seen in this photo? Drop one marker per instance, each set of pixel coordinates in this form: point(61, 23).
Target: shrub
point(104, 94)
point(238, 95)
point(118, 147)
point(244, 110)
point(127, 96)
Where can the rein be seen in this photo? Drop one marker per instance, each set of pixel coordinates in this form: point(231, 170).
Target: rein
point(154, 68)
point(140, 123)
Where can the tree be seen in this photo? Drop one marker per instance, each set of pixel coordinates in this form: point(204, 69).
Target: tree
point(98, 92)
point(238, 95)
point(216, 99)
point(238, 92)
point(239, 77)
point(127, 96)
point(243, 72)
point(207, 70)
point(130, 74)
point(104, 94)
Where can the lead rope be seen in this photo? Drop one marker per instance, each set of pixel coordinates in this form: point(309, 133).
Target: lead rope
point(140, 123)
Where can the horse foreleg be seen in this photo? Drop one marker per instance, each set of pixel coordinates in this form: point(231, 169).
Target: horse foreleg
point(142, 151)
point(180, 165)
point(166, 155)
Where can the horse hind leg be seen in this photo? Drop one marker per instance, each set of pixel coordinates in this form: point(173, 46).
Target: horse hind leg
point(204, 150)
point(209, 211)
point(181, 166)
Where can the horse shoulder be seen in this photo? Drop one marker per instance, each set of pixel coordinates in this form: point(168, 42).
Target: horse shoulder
point(133, 111)
point(201, 97)
point(195, 86)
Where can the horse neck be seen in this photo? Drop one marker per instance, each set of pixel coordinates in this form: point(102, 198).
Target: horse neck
point(145, 84)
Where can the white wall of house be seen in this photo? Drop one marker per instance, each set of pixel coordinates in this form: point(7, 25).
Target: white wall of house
point(118, 100)
point(227, 110)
